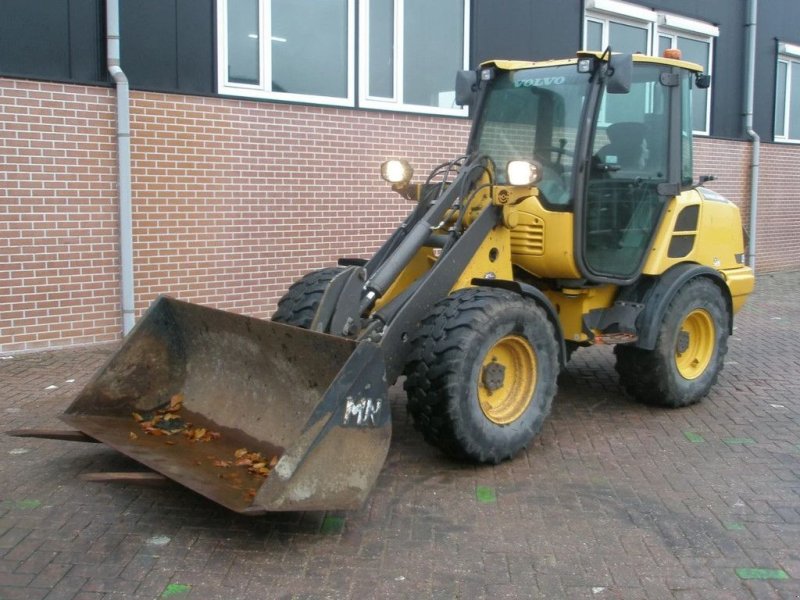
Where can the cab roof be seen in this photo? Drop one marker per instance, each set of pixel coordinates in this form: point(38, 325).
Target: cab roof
point(513, 65)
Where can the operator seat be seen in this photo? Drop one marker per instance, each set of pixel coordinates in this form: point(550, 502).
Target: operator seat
point(627, 147)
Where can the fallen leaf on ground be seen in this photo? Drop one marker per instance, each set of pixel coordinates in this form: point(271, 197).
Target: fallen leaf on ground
point(176, 402)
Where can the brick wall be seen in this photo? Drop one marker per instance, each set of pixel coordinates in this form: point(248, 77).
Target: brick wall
point(58, 251)
point(778, 223)
point(233, 200)
point(728, 161)
point(778, 245)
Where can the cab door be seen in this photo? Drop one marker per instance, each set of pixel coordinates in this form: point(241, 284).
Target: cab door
point(634, 170)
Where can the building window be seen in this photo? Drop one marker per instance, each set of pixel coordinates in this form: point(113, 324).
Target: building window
point(695, 41)
point(298, 50)
point(625, 27)
point(787, 94)
point(408, 60)
point(629, 37)
point(631, 28)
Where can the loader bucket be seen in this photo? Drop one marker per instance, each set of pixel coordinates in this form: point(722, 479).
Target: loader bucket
point(256, 416)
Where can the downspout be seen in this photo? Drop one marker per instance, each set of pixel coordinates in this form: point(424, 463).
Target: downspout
point(750, 61)
point(123, 164)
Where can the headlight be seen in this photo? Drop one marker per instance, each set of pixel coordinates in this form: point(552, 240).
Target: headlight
point(396, 171)
point(523, 172)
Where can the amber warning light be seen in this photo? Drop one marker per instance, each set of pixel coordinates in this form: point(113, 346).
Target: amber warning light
point(672, 53)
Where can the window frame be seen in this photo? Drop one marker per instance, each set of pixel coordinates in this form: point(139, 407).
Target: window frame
point(261, 91)
point(658, 24)
point(396, 103)
point(789, 54)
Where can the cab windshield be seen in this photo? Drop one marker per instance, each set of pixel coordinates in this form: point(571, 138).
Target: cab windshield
point(533, 114)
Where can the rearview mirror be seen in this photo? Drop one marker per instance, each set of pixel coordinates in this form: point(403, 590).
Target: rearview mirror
point(466, 87)
point(619, 73)
point(703, 81)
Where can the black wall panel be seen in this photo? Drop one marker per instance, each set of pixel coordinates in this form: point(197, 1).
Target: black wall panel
point(87, 40)
point(51, 39)
point(778, 21)
point(727, 97)
point(168, 45)
point(525, 29)
point(147, 30)
point(196, 46)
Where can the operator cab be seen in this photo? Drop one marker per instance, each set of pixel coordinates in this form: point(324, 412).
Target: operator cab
point(613, 152)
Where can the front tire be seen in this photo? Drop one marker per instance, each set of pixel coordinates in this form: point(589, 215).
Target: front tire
point(689, 353)
point(299, 304)
point(482, 374)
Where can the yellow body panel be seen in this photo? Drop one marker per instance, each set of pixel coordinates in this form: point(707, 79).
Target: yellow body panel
point(492, 260)
point(718, 241)
point(741, 283)
point(573, 304)
point(718, 236)
point(542, 241)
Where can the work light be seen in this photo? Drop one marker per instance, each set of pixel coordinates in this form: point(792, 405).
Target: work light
point(396, 171)
point(522, 172)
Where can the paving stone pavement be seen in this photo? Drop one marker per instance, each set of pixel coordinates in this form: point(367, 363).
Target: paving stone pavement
point(613, 500)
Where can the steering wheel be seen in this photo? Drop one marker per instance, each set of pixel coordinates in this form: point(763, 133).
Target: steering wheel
point(556, 165)
point(557, 149)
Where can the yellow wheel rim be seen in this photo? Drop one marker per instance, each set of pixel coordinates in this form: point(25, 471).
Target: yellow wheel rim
point(695, 344)
point(507, 379)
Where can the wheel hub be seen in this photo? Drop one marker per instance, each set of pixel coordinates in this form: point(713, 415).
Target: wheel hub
point(683, 342)
point(507, 379)
point(493, 375)
point(695, 343)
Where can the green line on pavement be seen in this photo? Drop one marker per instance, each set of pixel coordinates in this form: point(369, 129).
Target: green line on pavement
point(739, 441)
point(485, 494)
point(748, 573)
point(693, 437)
point(331, 525)
point(732, 526)
point(27, 504)
point(175, 589)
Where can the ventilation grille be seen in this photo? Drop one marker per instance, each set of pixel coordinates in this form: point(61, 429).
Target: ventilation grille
point(527, 238)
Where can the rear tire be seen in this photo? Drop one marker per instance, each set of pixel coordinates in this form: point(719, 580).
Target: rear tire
point(689, 353)
point(482, 374)
point(299, 305)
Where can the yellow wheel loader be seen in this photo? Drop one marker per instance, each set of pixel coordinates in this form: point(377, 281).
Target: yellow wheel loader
point(573, 218)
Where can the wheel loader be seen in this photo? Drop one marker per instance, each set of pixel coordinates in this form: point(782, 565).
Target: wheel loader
point(573, 218)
